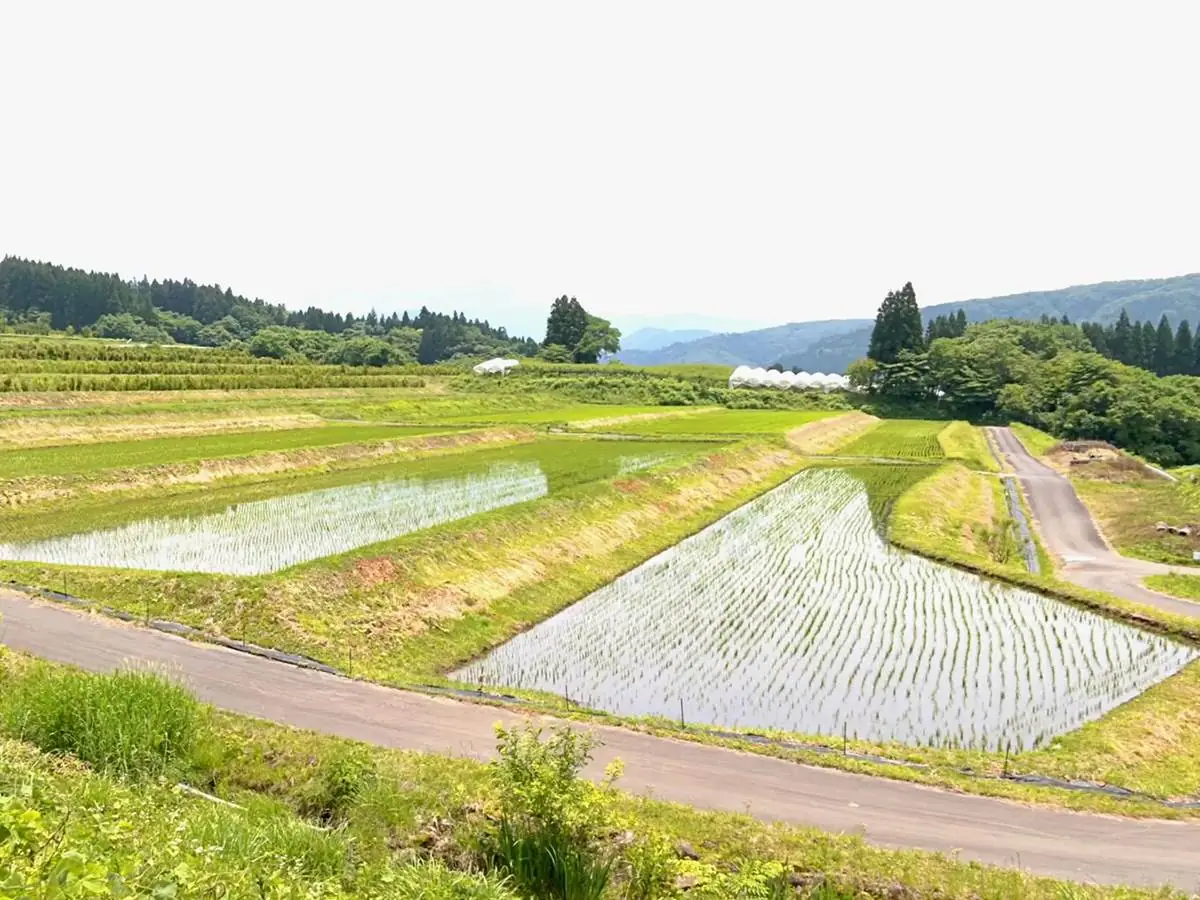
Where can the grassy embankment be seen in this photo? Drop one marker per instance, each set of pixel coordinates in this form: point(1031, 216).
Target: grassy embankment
point(292, 814)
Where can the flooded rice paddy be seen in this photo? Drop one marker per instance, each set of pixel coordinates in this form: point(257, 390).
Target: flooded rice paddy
point(263, 536)
point(792, 613)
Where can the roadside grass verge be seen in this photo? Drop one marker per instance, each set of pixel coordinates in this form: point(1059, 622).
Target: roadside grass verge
point(67, 831)
point(1128, 510)
point(413, 825)
point(131, 723)
point(1035, 441)
point(964, 441)
point(956, 507)
point(1176, 584)
point(899, 438)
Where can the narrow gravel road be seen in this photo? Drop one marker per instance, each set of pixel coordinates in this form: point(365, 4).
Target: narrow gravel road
point(1069, 533)
point(889, 813)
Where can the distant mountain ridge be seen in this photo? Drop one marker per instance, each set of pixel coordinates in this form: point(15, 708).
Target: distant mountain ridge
point(831, 345)
point(760, 347)
point(657, 338)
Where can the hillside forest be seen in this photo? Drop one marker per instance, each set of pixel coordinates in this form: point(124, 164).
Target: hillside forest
point(38, 297)
point(1075, 381)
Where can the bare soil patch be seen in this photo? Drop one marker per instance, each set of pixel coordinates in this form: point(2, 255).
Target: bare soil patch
point(45, 432)
point(828, 435)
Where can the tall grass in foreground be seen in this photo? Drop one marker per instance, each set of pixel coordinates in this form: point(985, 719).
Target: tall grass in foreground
point(130, 723)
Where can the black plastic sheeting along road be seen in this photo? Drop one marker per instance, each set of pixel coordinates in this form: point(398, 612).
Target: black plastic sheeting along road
point(176, 628)
point(764, 740)
point(293, 659)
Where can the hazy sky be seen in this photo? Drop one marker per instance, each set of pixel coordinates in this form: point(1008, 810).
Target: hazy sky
point(751, 162)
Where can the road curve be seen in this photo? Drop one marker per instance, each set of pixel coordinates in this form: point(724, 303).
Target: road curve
point(888, 813)
point(1070, 534)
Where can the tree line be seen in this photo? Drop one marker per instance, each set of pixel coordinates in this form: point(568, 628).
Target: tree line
point(1064, 378)
point(39, 297)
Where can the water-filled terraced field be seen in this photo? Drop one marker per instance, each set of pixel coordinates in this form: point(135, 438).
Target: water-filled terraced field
point(267, 535)
point(259, 528)
point(792, 613)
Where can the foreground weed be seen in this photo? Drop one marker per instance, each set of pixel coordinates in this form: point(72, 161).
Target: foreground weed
point(130, 723)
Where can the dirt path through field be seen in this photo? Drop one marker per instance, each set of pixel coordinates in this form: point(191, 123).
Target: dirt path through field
point(1071, 535)
point(888, 813)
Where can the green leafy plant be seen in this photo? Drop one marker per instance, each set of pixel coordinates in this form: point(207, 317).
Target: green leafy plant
point(340, 781)
point(548, 835)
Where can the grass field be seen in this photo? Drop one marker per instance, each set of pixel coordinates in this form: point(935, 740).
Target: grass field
point(94, 457)
point(899, 438)
point(1035, 441)
point(727, 421)
point(961, 440)
point(1128, 510)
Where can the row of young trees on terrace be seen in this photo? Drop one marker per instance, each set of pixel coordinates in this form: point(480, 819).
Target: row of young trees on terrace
point(1048, 374)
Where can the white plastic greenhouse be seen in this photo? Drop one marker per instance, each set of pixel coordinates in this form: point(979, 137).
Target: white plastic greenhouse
point(495, 366)
point(745, 376)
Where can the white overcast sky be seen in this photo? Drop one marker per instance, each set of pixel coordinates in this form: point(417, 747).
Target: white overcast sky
point(748, 162)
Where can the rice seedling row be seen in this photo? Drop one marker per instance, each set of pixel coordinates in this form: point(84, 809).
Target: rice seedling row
point(901, 438)
point(792, 613)
point(728, 421)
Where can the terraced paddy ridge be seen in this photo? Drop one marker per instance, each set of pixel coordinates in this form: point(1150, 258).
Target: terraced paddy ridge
point(793, 613)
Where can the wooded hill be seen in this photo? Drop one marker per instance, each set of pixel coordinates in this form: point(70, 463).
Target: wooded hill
point(831, 346)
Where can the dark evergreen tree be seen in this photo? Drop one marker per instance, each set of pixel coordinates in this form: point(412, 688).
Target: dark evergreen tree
point(1121, 341)
point(1163, 359)
point(1182, 357)
point(897, 326)
point(434, 341)
point(566, 324)
point(960, 323)
point(1149, 339)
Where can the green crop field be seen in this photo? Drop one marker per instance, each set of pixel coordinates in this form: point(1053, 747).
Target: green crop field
point(84, 459)
point(552, 414)
point(729, 421)
point(900, 438)
point(565, 462)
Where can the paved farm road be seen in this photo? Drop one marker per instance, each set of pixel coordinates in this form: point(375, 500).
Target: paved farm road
point(1071, 535)
point(889, 813)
